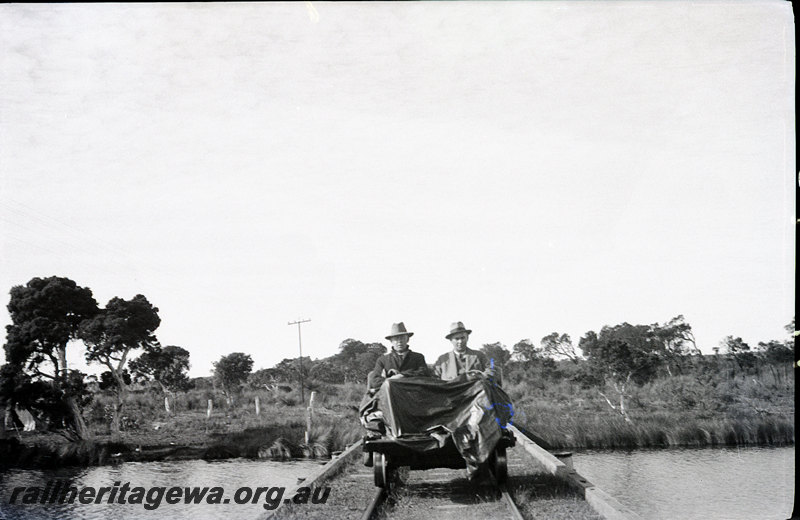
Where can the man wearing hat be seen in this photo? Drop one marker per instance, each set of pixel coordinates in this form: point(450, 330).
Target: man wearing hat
point(400, 362)
point(461, 360)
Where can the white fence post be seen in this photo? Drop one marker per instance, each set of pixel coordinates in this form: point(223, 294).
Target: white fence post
point(309, 414)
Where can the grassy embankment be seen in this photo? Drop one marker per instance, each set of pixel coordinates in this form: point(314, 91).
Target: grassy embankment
point(150, 433)
point(682, 410)
point(670, 411)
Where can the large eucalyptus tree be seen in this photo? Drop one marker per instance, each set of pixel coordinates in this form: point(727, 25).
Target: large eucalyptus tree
point(46, 315)
point(111, 336)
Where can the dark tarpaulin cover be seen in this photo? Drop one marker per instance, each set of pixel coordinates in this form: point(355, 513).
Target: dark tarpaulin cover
point(474, 411)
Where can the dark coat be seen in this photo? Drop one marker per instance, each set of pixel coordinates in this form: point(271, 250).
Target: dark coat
point(447, 367)
point(413, 364)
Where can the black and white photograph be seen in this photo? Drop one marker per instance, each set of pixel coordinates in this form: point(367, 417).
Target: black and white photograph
point(398, 260)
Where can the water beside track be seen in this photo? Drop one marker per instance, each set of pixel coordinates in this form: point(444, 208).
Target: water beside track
point(229, 475)
point(664, 484)
point(696, 483)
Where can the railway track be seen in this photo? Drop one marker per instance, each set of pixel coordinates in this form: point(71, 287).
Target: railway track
point(544, 486)
point(445, 492)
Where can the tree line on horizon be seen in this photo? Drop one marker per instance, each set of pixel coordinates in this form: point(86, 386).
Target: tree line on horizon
point(49, 313)
point(611, 360)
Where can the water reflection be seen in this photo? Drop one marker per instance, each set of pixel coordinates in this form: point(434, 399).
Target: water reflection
point(709, 483)
point(230, 475)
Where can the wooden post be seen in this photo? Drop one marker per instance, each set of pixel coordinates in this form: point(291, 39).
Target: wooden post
point(166, 403)
point(258, 408)
point(310, 414)
point(300, 344)
point(114, 422)
point(210, 407)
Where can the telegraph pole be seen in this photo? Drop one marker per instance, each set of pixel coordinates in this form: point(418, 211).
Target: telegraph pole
point(300, 342)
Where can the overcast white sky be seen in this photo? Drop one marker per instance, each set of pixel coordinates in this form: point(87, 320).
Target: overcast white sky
point(523, 167)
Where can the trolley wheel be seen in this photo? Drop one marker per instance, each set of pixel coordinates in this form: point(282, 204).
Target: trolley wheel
point(366, 457)
point(380, 468)
point(500, 465)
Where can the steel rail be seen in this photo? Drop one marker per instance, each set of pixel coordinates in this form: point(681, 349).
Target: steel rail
point(371, 512)
point(512, 506)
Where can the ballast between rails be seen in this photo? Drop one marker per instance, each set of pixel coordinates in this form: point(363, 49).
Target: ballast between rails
point(372, 512)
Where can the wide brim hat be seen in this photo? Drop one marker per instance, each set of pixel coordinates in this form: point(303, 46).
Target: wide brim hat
point(399, 329)
point(456, 328)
